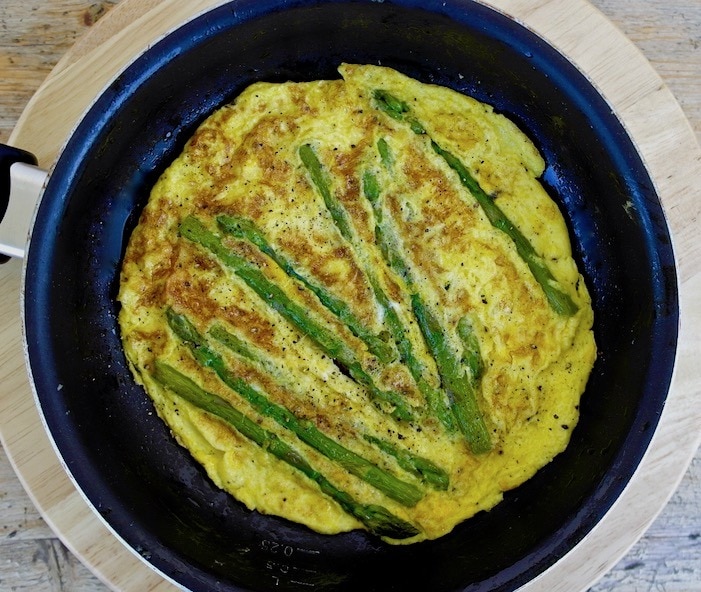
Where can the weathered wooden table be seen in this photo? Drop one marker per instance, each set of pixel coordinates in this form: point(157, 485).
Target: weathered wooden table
point(35, 34)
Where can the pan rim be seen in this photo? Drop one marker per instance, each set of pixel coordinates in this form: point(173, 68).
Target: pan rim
point(49, 432)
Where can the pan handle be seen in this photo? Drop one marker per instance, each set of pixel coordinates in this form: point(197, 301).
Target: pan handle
point(21, 184)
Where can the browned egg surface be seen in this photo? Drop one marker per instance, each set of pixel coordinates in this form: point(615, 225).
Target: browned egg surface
point(396, 227)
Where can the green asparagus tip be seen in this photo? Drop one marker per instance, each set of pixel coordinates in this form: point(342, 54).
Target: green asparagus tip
point(316, 172)
point(390, 104)
point(382, 523)
point(471, 349)
point(371, 187)
point(385, 153)
point(397, 109)
point(421, 467)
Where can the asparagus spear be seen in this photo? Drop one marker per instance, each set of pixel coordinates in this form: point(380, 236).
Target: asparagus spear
point(457, 383)
point(247, 230)
point(385, 153)
point(401, 491)
point(376, 519)
point(388, 401)
point(559, 301)
point(371, 187)
point(434, 397)
point(418, 466)
point(397, 109)
point(472, 357)
point(340, 218)
point(335, 208)
point(236, 345)
point(463, 402)
point(338, 212)
point(423, 468)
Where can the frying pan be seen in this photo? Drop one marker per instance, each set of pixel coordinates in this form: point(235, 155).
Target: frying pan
point(119, 453)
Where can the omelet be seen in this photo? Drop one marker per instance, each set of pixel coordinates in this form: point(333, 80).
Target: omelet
point(356, 306)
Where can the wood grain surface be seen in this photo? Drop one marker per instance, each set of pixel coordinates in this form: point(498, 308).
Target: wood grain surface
point(35, 35)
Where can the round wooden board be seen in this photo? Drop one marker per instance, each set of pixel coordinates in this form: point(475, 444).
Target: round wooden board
point(613, 64)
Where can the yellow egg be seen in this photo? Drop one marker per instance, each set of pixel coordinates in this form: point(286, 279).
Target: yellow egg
point(391, 265)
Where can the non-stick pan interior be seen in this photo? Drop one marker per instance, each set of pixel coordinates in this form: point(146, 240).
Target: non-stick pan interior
point(121, 455)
